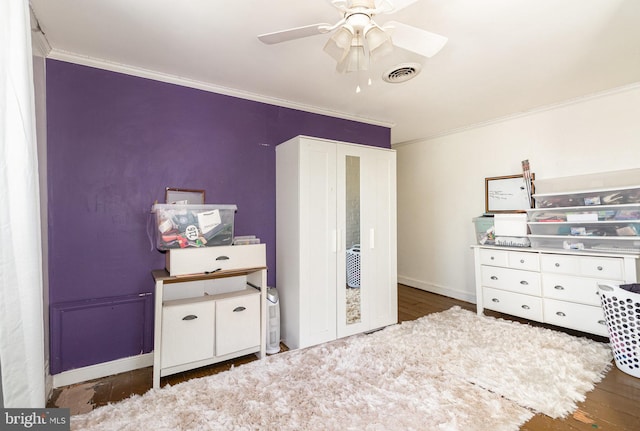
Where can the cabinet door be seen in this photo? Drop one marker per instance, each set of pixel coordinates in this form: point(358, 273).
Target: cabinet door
point(187, 332)
point(381, 223)
point(237, 323)
point(366, 257)
point(318, 242)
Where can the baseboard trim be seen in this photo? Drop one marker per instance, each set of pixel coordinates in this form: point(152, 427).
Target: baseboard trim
point(104, 369)
point(440, 290)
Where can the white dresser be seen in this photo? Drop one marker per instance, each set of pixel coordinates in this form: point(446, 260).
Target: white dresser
point(201, 319)
point(551, 286)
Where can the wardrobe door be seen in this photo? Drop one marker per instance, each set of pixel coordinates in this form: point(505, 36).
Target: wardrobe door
point(381, 223)
point(318, 243)
point(306, 240)
point(366, 264)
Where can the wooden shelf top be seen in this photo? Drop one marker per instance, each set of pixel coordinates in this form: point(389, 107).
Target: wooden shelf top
point(162, 274)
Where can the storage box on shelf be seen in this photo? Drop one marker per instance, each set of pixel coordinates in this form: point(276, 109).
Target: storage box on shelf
point(193, 226)
point(201, 319)
point(485, 233)
point(599, 220)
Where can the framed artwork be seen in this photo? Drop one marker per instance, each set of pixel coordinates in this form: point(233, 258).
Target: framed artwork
point(508, 194)
point(184, 196)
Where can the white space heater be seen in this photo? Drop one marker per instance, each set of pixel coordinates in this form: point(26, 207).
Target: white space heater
point(273, 321)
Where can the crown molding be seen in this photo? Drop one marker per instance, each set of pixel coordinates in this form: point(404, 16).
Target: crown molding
point(565, 103)
point(39, 44)
point(70, 57)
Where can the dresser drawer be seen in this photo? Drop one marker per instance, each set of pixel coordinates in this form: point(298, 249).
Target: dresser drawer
point(574, 289)
point(187, 331)
point(529, 307)
point(514, 280)
point(602, 267)
point(560, 264)
point(587, 266)
point(237, 323)
point(585, 318)
point(524, 260)
point(200, 260)
point(494, 257)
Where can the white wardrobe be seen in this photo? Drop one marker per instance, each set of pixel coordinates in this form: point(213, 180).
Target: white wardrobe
point(336, 268)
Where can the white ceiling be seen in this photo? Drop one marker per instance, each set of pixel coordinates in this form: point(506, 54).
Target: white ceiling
point(503, 57)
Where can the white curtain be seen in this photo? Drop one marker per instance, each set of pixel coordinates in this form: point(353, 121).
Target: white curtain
point(21, 317)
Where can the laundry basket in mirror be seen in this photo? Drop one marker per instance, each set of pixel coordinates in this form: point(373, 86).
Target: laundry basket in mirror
point(621, 306)
point(353, 266)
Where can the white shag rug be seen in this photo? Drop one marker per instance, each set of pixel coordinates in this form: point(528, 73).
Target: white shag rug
point(452, 370)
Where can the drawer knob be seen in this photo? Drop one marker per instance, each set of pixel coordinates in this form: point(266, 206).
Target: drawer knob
point(602, 322)
point(222, 258)
point(524, 282)
point(521, 260)
point(558, 287)
point(239, 309)
point(190, 317)
point(495, 300)
point(492, 258)
point(561, 314)
point(557, 265)
point(526, 307)
point(599, 268)
point(493, 277)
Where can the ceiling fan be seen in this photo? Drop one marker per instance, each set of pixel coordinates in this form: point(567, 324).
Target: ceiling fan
point(357, 39)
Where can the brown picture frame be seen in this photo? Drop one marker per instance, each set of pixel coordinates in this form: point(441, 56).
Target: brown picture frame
point(191, 196)
point(507, 194)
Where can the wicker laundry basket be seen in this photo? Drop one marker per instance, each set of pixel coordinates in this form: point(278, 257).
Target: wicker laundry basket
point(622, 314)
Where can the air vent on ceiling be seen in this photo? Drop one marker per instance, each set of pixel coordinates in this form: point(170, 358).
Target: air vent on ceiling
point(402, 73)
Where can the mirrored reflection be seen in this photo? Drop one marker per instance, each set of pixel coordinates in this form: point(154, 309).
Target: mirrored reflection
point(352, 244)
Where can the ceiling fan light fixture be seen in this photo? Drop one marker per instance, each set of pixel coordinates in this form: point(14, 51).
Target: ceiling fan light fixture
point(371, 40)
point(339, 43)
point(354, 60)
point(378, 41)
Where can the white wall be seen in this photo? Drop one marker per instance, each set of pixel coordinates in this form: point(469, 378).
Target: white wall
point(441, 180)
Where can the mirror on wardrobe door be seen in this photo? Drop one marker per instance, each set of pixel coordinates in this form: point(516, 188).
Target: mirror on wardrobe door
point(352, 244)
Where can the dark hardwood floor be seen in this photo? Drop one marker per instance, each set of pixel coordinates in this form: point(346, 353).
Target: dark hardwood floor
point(613, 405)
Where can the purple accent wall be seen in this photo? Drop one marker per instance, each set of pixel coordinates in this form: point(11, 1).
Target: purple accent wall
point(116, 141)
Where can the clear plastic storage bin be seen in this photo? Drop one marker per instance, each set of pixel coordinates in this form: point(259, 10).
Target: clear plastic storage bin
point(184, 226)
point(485, 234)
point(617, 196)
point(620, 244)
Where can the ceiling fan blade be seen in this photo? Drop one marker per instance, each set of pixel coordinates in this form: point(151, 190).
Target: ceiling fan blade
point(341, 5)
point(294, 33)
point(413, 39)
point(391, 6)
point(401, 4)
